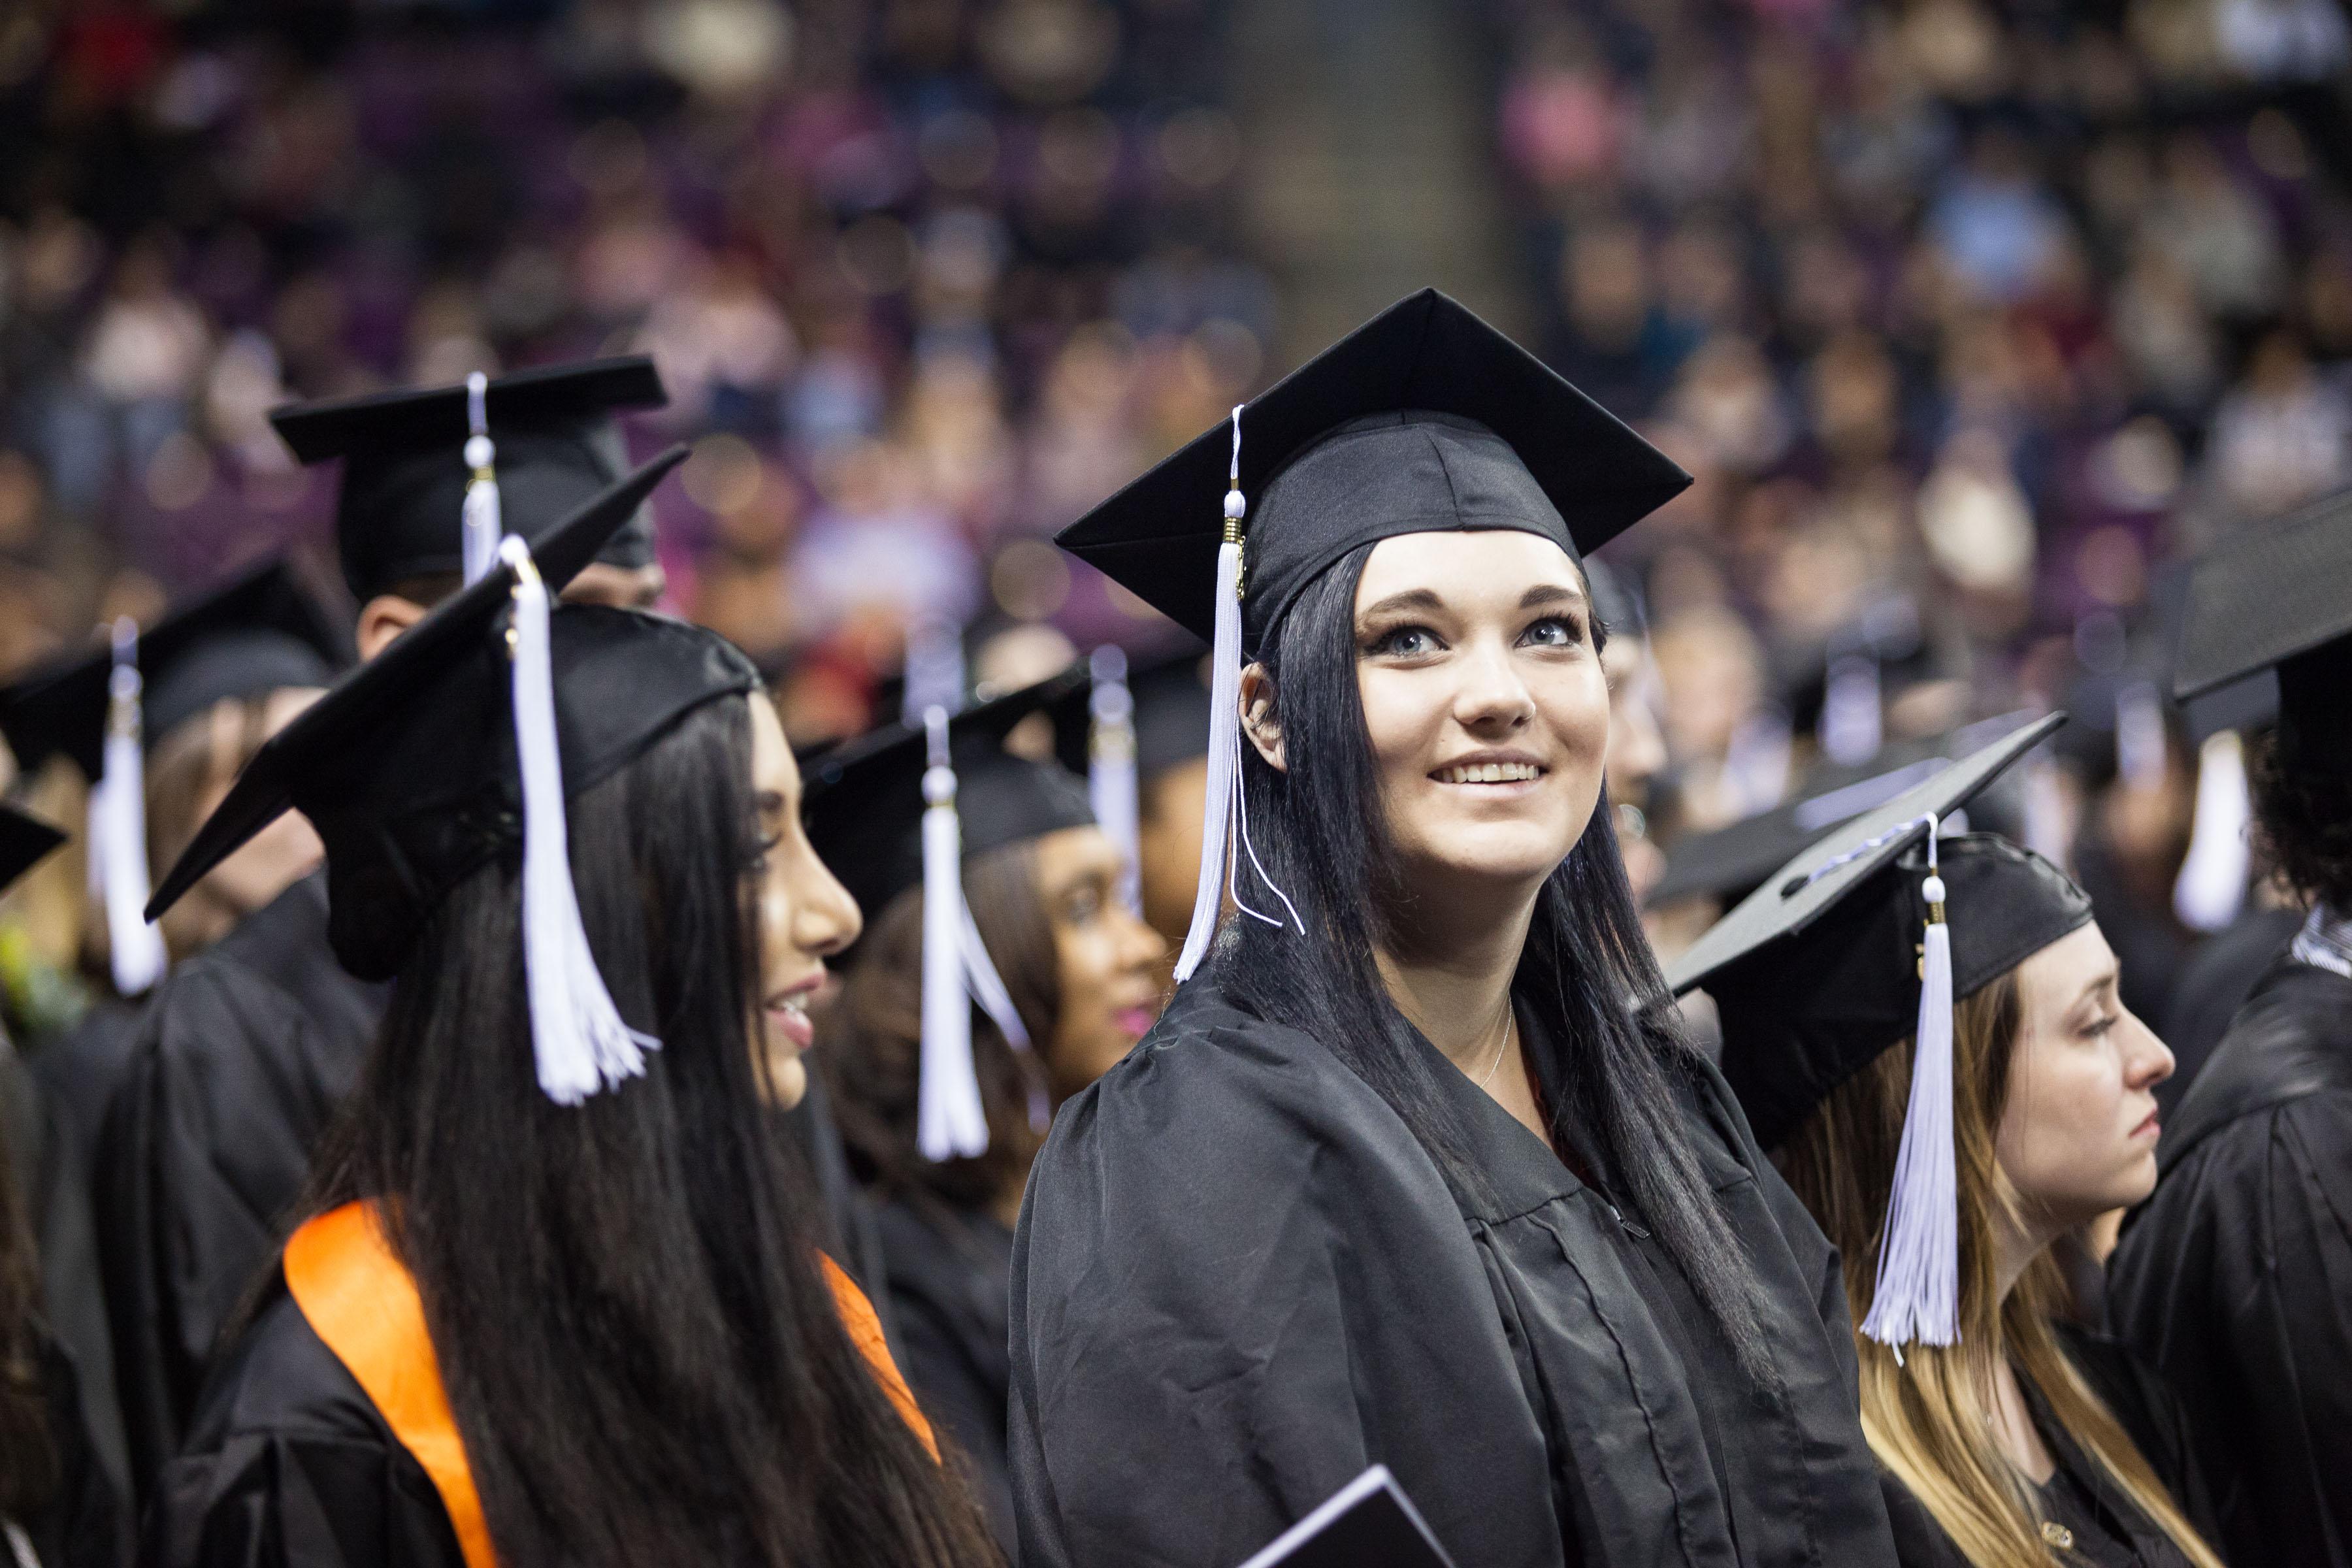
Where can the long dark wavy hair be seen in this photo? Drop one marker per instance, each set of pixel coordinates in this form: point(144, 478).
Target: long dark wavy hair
point(644, 1360)
point(1614, 1049)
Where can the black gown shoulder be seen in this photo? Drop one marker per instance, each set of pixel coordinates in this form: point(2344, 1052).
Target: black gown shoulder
point(951, 1292)
point(1239, 1280)
point(2234, 1280)
point(242, 1058)
point(287, 1461)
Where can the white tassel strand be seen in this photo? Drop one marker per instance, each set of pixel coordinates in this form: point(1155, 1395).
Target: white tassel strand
point(2211, 888)
point(1110, 769)
point(579, 1043)
point(950, 1120)
point(484, 525)
point(987, 988)
point(1225, 729)
point(118, 823)
point(1918, 1291)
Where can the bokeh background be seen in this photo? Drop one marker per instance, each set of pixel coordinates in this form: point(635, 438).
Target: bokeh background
point(1971, 319)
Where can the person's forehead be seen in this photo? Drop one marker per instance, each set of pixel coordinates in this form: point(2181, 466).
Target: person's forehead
point(1458, 562)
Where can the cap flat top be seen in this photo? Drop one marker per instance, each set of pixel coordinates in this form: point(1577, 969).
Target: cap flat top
point(363, 709)
point(1813, 881)
point(381, 423)
point(24, 840)
point(1425, 354)
point(260, 631)
point(2267, 596)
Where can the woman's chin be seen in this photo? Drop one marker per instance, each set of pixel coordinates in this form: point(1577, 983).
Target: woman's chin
point(786, 1079)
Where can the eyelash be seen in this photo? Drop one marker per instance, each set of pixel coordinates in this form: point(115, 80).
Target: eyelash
point(1384, 644)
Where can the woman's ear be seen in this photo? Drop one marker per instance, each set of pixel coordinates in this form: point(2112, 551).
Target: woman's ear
point(1258, 720)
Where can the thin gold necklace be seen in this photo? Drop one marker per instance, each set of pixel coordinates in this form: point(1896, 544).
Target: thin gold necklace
point(1510, 1027)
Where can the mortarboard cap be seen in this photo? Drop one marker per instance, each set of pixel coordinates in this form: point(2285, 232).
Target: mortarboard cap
point(24, 840)
point(409, 766)
point(1846, 951)
point(2280, 596)
point(260, 633)
point(1367, 1523)
point(1424, 419)
point(1171, 715)
point(403, 504)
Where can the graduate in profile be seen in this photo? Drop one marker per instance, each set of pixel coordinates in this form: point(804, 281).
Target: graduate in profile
point(1418, 1168)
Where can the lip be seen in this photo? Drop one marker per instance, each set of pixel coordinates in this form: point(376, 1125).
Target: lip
point(1491, 759)
point(1135, 1022)
point(787, 1010)
point(2148, 1128)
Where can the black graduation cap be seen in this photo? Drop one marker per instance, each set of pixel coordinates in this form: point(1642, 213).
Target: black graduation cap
point(1367, 1523)
point(24, 840)
point(862, 801)
point(407, 471)
point(409, 767)
point(2280, 598)
point(1423, 418)
point(262, 632)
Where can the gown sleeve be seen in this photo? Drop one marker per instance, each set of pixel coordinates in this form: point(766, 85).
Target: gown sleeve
point(1181, 1388)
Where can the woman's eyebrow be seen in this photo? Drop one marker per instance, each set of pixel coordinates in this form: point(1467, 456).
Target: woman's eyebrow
point(770, 802)
point(1411, 599)
point(2105, 981)
point(1549, 594)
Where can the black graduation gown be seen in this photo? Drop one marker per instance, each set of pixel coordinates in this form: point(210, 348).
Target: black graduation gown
point(1239, 1280)
point(242, 1058)
point(287, 1461)
point(48, 1174)
point(950, 1276)
point(80, 1070)
point(2215, 984)
point(2235, 1279)
point(2107, 1529)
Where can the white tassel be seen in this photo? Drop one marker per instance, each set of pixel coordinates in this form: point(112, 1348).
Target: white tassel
point(2140, 736)
point(1224, 729)
point(949, 1117)
point(987, 988)
point(2047, 833)
point(1850, 730)
point(1918, 1298)
point(484, 525)
point(2211, 886)
point(578, 1040)
point(118, 823)
point(1110, 770)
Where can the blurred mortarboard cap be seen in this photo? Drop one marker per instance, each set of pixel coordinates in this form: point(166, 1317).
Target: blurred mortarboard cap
point(2278, 598)
point(24, 839)
point(1171, 715)
point(1425, 419)
point(408, 767)
point(1616, 600)
point(863, 800)
point(262, 632)
point(399, 514)
point(1367, 1523)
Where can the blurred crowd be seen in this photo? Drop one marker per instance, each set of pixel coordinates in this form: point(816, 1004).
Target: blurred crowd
point(925, 278)
point(1971, 318)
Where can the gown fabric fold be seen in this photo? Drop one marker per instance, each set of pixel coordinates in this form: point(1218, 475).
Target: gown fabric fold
point(1239, 1280)
point(2234, 1280)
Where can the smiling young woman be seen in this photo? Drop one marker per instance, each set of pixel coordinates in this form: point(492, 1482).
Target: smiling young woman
point(1417, 1169)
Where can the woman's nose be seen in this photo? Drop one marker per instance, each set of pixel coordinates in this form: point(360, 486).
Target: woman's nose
point(824, 917)
point(2149, 1061)
point(1492, 693)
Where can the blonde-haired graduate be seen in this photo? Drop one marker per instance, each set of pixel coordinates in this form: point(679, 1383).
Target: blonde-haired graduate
point(1927, 1033)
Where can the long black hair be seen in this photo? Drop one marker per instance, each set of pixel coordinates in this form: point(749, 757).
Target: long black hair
point(644, 1360)
point(1614, 1052)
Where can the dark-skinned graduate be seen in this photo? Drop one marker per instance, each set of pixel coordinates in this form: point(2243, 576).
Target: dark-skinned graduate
point(558, 1294)
point(1417, 1168)
point(60, 1505)
point(1927, 1030)
point(2236, 1278)
point(1000, 974)
point(246, 1051)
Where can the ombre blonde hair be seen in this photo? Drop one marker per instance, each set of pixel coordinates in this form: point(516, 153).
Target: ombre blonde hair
point(1929, 1417)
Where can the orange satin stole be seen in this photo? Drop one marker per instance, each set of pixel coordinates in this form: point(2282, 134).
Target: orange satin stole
point(360, 1300)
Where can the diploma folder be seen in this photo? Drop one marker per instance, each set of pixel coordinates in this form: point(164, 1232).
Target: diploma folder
point(1367, 1523)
